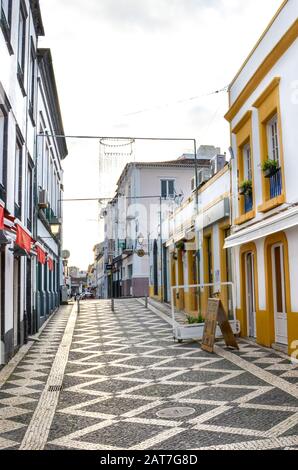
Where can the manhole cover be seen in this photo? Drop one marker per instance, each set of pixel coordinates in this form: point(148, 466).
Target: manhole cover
point(175, 412)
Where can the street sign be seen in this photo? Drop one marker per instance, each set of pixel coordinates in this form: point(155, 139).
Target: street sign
point(216, 314)
point(109, 267)
point(210, 325)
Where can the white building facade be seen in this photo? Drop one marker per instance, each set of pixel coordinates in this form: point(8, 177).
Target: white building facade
point(21, 26)
point(146, 194)
point(264, 117)
point(51, 151)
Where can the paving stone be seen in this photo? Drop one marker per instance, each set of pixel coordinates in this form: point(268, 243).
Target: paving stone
point(161, 390)
point(250, 418)
point(86, 405)
point(246, 379)
point(220, 394)
point(199, 376)
point(189, 440)
point(123, 434)
point(275, 397)
point(115, 405)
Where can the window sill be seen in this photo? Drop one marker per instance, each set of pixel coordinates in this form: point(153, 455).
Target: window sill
point(245, 218)
point(272, 203)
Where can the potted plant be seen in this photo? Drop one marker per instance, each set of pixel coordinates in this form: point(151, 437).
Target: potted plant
point(270, 167)
point(195, 320)
point(180, 246)
point(245, 187)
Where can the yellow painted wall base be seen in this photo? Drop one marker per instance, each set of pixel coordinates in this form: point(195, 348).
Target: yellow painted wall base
point(293, 334)
point(265, 336)
point(155, 297)
point(190, 302)
point(263, 327)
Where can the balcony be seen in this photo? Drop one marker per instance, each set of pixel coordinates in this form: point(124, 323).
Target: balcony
point(248, 203)
point(275, 183)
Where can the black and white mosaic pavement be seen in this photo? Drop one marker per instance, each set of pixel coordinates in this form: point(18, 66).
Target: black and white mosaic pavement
point(120, 373)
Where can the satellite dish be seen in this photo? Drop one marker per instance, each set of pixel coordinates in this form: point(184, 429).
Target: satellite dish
point(65, 254)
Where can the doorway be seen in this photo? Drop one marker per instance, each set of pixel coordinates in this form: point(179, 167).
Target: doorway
point(16, 302)
point(30, 326)
point(155, 268)
point(279, 294)
point(250, 295)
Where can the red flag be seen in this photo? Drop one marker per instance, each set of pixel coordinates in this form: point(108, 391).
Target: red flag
point(23, 240)
point(41, 255)
point(1, 217)
point(50, 264)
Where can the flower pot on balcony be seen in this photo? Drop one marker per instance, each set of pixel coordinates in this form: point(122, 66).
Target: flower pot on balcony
point(245, 188)
point(270, 168)
point(270, 172)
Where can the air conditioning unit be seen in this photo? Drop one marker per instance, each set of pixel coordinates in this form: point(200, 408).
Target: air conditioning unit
point(204, 175)
point(217, 163)
point(43, 201)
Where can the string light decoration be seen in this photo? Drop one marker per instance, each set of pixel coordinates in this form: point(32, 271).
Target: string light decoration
point(115, 154)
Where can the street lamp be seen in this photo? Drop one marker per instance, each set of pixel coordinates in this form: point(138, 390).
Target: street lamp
point(55, 226)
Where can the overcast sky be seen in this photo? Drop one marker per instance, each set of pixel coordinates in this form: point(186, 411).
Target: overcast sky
point(130, 67)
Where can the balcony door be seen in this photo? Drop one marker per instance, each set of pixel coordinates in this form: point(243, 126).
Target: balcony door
point(279, 296)
point(250, 295)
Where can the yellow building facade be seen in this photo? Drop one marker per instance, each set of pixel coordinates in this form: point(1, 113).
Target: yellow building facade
point(263, 115)
point(195, 249)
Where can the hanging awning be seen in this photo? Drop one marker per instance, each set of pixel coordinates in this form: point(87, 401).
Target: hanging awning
point(2, 210)
point(23, 240)
point(264, 228)
point(50, 263)
point(41, 254)
point(3, 238)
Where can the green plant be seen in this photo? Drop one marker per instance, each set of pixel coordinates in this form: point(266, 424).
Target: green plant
point(180, 245)
point(270, 165)
point(195, 320)
point(246, 187)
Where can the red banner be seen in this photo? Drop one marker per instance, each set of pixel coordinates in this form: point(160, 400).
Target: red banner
point(1, 218)
point(41, 255)
point(50, 264)
point(23, 240)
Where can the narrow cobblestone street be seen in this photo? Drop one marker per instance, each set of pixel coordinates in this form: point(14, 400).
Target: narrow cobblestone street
point(103, 380)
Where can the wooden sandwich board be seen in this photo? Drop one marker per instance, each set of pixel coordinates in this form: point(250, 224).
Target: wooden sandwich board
point(216, 314)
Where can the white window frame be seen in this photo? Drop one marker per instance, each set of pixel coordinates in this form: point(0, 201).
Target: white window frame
point(273, 139)
point(17, 182)
point(247, 163)
point(167, 180)
point(30, 193)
